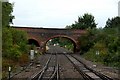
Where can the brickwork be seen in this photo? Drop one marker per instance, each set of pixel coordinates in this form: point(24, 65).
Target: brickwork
point(42, 35)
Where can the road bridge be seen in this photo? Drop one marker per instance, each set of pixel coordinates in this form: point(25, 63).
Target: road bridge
point(40, 36)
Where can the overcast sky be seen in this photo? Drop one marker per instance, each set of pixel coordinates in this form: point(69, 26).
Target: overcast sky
point(59, 13)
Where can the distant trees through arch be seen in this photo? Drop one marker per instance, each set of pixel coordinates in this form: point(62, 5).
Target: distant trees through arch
point(33, 42)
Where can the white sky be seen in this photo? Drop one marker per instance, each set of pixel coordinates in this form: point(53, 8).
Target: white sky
point(59, 13)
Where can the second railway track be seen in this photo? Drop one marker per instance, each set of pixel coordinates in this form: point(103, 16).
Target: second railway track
point(86, 72)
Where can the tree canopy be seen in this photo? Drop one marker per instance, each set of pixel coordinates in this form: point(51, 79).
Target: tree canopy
point(113, 23)
point(14, 41)
point(84, 22)
point(7, 17)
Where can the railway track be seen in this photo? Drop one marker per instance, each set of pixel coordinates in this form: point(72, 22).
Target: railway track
point(56, 69)
point(86, 72)
point(50, 71)
point(26, 67)
point(30, 69)
point(102, 76)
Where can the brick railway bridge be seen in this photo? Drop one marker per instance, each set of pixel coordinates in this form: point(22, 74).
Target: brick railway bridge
point(40, 36)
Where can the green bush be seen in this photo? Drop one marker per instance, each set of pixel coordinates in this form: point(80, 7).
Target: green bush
point(107, 42)
point(14, 43)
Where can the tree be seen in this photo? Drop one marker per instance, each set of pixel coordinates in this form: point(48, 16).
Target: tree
point(113, 23)
point(84, 22)
point(14, 43)
point(107, 42)
point(7, 17)
point(6, 42)
point(87, 41)
point(21, 39)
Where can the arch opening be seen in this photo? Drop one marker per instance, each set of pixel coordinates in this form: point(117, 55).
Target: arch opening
point(33, 42)
point(65, 43)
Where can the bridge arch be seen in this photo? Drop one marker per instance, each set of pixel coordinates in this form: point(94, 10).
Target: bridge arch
point(34, 42)
point(42, 35)
point(62, 36)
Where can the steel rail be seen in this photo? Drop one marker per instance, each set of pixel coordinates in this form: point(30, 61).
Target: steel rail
point(58, 76)
point(85, 76)
point(21, 70)
point(45, 68)
point(53, 73)
point(37, 76)
point(102, 76)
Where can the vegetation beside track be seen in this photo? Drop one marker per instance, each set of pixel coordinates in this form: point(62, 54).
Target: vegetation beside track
point(99, 44)
point(14, 42)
